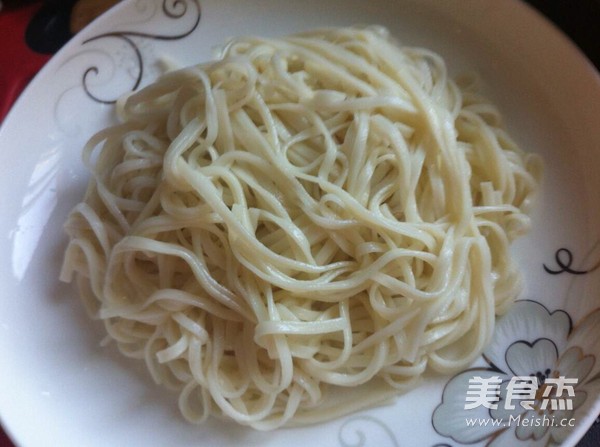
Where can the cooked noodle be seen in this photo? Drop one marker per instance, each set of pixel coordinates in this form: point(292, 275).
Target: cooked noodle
point(301, 228)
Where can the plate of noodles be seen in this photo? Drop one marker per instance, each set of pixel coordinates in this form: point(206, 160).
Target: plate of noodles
point(276, 223)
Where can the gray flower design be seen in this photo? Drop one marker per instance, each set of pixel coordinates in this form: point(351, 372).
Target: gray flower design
point(530, 345)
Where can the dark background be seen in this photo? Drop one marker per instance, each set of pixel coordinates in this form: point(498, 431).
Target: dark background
point(579, 20)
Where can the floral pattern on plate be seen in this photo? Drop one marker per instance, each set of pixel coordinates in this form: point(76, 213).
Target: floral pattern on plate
point(529, 342)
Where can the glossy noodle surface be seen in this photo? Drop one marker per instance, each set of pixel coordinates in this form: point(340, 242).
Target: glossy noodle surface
point(303, 227)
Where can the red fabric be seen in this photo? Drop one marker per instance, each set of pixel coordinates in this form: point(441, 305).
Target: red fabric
point(18, 63)
point(4, 440)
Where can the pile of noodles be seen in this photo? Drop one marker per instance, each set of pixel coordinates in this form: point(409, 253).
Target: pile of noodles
point(301, 228)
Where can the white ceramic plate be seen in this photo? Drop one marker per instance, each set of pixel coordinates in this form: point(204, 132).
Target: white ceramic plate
point(59, 387)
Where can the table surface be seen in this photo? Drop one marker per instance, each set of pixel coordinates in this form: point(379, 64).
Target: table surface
point(32, 30)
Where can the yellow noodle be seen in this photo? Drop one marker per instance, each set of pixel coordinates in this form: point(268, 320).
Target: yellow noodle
point(301, 228)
